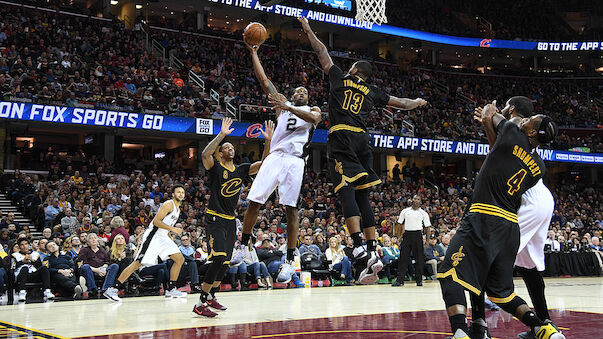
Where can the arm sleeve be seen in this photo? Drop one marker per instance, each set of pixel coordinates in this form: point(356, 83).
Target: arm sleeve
point(505, 127)
point(380, 96)
point(244, 168)
point(401, 217)
point(426, 221)
point(335, 76)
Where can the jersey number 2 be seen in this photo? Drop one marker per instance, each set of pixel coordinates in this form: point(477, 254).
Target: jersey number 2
point(353, 101)
point(291, 124)
point(515, 181)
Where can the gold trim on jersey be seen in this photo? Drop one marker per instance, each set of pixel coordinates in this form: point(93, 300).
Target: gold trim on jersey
point(345, 179)
point(503, 300)
point(368, 184)
point(493, 210)
point(452, 273)
point(213, 253)
point(344, 127)
point(230, 170)
point(224, 216)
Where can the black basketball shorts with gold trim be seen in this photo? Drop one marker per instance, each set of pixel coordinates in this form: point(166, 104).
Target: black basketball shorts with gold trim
point(221, 235)
point(350, 159)
point(482, 254)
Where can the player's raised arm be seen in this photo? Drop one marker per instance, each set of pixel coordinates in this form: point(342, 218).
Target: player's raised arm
point(207, 156)
point(258, 69)
point(405, 103)
point(491, 118)
point(280, 102)
point(267, 133)
point(488, 128)
point(164, 210)
point(318, 46)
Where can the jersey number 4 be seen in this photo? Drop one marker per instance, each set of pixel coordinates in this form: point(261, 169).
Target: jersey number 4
point(353, 101)
point(515, 181)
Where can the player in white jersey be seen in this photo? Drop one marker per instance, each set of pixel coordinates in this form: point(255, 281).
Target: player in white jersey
point(284, 166)
point(155, 243)
point(534, 218)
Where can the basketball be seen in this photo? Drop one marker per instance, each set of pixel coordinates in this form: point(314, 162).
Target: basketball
point(255, 34)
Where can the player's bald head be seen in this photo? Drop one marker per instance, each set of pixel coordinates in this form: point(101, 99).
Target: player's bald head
point(362, 68)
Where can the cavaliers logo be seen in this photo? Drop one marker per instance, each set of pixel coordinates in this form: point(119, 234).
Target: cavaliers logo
point(457, 257)
point(225, 175)
point(338, 167)
point(231, 187)
point(485, 43)
point(254, 131)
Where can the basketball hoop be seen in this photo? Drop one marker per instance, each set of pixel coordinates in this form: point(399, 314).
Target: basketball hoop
point(371, 11)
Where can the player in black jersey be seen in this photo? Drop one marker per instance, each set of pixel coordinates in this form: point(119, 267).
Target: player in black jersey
point(482, 252)
point(225, 182)
point(351, 99)
point(517, 108)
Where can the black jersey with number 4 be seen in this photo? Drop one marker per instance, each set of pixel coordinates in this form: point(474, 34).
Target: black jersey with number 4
point(351, 99)
point(509, 170)
point(225, 185)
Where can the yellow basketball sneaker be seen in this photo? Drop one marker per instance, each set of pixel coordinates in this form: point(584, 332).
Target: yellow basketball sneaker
point(548, 331)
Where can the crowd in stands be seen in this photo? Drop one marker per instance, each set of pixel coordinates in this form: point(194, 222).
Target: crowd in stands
point(59, 59)
point(93, 217)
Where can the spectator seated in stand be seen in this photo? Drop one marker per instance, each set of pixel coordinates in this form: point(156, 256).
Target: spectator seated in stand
point(96, 264)
point(339, 262)
point(62, 272)
point(29, 268)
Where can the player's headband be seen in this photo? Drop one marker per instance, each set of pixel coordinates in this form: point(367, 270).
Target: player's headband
point(547, 130)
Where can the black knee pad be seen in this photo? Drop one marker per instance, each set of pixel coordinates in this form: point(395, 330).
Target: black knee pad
point(348, 202)
point(453, 293)
point(508, 304)
point(366, 211)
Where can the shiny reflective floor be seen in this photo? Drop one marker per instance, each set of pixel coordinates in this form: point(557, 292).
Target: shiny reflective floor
point(343, 312)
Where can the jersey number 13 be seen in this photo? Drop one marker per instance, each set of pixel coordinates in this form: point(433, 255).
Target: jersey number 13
point(352, 102)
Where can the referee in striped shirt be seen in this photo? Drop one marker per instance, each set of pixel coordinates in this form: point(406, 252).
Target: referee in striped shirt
point(412, 220)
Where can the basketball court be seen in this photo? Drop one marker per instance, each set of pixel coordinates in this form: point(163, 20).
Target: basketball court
point(377, 311)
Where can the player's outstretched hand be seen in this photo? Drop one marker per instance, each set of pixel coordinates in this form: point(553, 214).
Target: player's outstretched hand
point(268, 130)
point(252, 48)
point(226, 130)
point(477, 114)
point(420, 102)
point(178, 230)
point(304, 22)
point(278, 100)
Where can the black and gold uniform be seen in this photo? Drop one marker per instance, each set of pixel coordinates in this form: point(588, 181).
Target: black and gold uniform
point(351, 99)
point(225, 185)
point(483, 250)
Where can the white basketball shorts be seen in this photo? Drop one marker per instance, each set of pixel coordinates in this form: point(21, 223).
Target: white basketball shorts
point(534, 218)
point(279, 170)
point(155, 245)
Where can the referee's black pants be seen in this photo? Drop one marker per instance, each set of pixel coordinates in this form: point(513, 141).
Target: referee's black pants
point(411, 240)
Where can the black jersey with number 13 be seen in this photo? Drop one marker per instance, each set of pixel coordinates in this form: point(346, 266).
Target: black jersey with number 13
point(351, 99)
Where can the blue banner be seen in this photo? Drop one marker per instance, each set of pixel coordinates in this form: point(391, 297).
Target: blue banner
point(339, 4)
point(108, 118)
point(94, 117)
point(413, 34)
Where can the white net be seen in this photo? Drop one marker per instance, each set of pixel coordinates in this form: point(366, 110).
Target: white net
point(371, 11)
